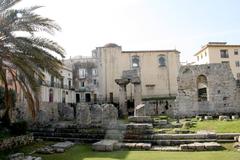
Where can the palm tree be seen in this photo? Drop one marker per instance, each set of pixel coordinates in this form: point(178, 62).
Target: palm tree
point(24, 54)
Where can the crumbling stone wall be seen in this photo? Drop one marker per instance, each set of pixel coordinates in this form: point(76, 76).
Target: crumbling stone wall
point(221, 91)
point(159, 106)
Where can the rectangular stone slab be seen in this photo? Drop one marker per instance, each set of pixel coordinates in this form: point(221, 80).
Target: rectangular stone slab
point(104, 145)
point(63, 145)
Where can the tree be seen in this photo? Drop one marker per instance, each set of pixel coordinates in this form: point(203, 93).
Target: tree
point(24, 54)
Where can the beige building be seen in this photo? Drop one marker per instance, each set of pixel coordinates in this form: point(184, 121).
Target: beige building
point(220, 52)
point(85, 78)
point(55, 90)
point(157, 69)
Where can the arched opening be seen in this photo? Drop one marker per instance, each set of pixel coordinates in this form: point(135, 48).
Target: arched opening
point(162, 61)
point(202, 88)
point(135, 62)
point(51, 95)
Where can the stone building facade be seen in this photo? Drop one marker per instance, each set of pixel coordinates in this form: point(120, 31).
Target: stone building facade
point(206, 89)
point(220, 52)
point(157, 71)
point(85, 78)
point(55, 90)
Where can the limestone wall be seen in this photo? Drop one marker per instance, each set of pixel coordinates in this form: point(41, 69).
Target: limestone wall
point(222, 93)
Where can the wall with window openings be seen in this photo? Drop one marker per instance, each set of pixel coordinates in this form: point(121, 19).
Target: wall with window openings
point(206, 89)
point(229, 54)
point(58, 90)
point(157, 69)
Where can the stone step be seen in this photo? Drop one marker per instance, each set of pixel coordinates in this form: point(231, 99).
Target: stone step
point(177, 142)
point(166, 148)
point(140, 119)
point(131, 126)
point(66, 130)
point(64, 135)
point(195, 136)
point(141, 146)
point(82, 140)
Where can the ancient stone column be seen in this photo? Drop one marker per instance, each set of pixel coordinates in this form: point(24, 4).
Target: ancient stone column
point(122, 95)
point(137, 91)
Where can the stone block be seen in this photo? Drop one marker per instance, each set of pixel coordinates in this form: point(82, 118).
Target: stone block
point(16, 156)
point(235, 117)
point(146, 146)
point(236, 145)
point(110, 115)
point(83, 117)
point(63, 145)
point(140, 110)
point(65, 112)
point(42, 117)
point(140, 119)
point(96, 114)
point(201, 146)
point(212, 146)
point(208, 118)
point(104, 145)
point(45, 150)
point(224, 118)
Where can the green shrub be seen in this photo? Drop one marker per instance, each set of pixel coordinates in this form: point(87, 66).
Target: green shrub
point(18, 128)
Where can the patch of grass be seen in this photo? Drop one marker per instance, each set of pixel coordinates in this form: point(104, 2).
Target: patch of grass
point(84, 152)
point(218, 126)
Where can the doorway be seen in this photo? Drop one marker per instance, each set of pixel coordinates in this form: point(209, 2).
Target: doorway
point(88, 97)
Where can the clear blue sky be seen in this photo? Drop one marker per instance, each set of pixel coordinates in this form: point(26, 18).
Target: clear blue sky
point(142, 24)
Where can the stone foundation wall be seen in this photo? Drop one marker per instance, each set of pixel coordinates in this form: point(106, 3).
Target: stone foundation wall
point(13, 142)
point(159, 107)
point(222, 93)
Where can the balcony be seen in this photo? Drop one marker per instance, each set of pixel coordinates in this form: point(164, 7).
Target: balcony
point(56, 85)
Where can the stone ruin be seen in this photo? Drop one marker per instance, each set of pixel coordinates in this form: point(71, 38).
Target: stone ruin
point(86, 115)
point(96, 115)
point(129, 76)
point(206, 90)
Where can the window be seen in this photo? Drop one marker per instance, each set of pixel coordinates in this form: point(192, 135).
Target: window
point(162, 61)
point(94, 72)
point(202, 87)
point(52, 81)
point(82, 84)
point(82, 73)
point(224, 53)
point(50, 95)
point(237, 64)
point(235, 51)
point(205, 54)
point(225, 62)
point(135, 62)
point(197, 58)
point(95, 82)
point(69, 84)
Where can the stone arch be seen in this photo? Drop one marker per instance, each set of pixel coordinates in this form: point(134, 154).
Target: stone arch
point(202, 88)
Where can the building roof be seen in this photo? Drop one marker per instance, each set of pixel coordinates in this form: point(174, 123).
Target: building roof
point(145, 51)
point(215, 44)
point(111, 45)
